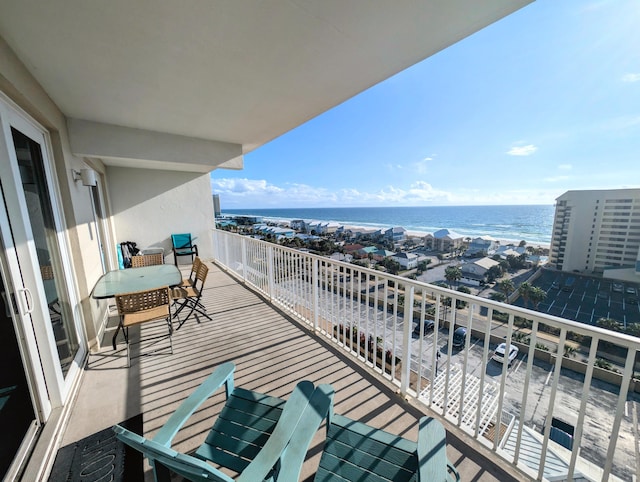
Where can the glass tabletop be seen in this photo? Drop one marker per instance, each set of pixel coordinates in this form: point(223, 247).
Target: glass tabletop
point(136, 279)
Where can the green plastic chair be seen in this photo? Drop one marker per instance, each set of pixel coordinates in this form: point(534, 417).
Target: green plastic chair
point(355, 451)
point(251, 436)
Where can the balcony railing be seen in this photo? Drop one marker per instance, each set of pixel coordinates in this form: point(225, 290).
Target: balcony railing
point(554, 417)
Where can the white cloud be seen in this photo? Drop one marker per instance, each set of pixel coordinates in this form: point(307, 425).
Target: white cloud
point(522, 150)
point(631, 78)
point(260, 193)
point(243, 186)
point(565, 167)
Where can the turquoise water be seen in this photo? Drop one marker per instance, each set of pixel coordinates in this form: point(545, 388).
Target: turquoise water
point(532, 223)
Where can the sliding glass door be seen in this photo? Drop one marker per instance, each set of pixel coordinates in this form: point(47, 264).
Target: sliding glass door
point(41, 333)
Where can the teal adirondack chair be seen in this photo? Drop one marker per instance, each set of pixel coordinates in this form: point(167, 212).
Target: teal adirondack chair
point(354, 451)
point(251, 436)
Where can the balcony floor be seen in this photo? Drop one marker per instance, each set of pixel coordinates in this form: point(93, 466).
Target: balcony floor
point(272, 352)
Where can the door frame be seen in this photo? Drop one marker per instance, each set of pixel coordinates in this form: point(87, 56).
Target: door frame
point(41, 346)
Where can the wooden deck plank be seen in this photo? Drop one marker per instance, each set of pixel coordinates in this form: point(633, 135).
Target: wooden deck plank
point(272, 352)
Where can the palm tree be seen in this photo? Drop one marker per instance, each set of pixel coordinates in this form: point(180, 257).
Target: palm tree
point(537, 296)
point(524, 290)
point(497, 296)
point(506, 287)
point(609, 324)
point(570, 351)
point(452, 274)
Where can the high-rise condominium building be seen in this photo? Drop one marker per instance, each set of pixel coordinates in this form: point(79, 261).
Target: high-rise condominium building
point(596, 230)
point(216, 205)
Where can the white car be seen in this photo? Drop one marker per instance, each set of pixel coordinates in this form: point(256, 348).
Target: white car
point(498, 354)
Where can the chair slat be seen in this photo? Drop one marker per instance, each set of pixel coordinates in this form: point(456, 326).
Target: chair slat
point(355, 451)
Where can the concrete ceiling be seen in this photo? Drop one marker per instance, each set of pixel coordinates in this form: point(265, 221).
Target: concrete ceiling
point(234, 71)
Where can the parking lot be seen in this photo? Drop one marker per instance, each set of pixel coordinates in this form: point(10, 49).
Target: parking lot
point(587, 299)
point(600, 410)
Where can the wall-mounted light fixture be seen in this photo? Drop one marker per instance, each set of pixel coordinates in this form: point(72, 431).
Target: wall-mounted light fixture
point(87, 176)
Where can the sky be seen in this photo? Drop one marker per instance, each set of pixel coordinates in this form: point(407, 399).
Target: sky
point(543, 101)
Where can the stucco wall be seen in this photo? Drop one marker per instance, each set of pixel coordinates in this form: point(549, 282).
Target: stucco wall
point(148, 206)
point(19, 86)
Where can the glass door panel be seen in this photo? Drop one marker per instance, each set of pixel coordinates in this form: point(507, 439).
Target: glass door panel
point(43, 228)
point(17, 412)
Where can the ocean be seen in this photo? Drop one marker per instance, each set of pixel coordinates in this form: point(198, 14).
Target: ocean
point(532, 223)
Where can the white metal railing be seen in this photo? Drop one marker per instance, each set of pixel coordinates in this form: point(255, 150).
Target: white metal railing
point(510, 410)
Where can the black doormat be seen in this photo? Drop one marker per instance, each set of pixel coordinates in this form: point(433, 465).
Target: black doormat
point(100, 457)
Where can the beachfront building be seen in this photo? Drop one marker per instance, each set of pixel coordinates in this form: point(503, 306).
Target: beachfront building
point(362, 233)
point(406, 260)
point(509, 250)
point(298, 224)
point(475, 272)
point(482, 246)
point(322, 227)
point(443, 240)
point(596, 230)
point(396, 234)
point(277, 231)
point(216, 205)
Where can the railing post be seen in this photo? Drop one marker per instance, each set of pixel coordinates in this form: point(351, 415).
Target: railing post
point(243, 248)
point(270, 272)
point(227, 241)
point(405, 376)
point(314, 293)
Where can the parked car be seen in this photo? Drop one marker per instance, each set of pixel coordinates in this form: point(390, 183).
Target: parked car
point(498, 354)
point(459, 337)
point(428, 326)
point(631, 290)
point(617, 287)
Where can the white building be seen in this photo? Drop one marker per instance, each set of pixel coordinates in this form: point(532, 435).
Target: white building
point(482, 246)
point(596, 230)
point(112, 118)
point(406, 260)
point(476, 271)
point(443, 240)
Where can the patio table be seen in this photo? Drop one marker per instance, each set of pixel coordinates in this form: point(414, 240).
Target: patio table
point(128, 280)
point(122, 281)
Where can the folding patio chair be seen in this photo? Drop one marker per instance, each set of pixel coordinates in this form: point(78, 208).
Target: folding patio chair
point(190, 281)
point(191, 295)
point(141, 307)
point(141, 260)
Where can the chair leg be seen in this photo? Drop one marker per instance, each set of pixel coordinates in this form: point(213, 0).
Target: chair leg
point(125, 331)
point(195, 305)
point(170, 325)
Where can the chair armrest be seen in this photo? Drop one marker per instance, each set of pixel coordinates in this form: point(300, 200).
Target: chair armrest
point(162, 459)
point(223, 374)
point(319, 407)
point(271, 452)
point(432, 451)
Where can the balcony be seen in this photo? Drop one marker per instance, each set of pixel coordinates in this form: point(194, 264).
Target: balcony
point(282, 315)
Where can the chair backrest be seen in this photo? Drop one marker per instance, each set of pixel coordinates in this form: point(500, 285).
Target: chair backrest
point(46, 272)
point(141, 260)
point(181, 241)
point(356, 451)
point(201, 275)
point(194, 269)
point(142, 300)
